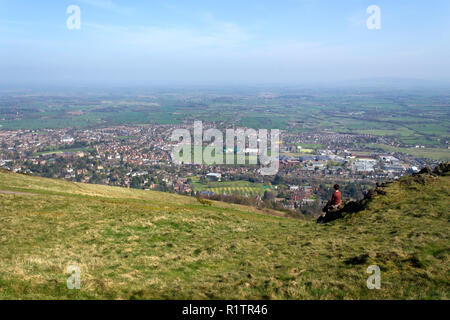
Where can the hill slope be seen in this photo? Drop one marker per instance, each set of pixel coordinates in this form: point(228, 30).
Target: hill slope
point(150, 245)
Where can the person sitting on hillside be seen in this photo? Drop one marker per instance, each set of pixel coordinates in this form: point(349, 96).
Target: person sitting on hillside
point(335, 201)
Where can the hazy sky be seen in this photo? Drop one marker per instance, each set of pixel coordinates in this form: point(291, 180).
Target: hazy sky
point(222, 42)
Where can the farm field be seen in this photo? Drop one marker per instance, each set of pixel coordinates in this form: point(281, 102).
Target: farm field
point(431, 153)
point(421, 117)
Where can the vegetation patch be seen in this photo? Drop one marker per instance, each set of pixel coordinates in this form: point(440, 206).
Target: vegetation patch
point(135, 244)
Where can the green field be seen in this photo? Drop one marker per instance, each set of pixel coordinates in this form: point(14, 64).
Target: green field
point(135, 244)
point(240, 188)
point(430, 153)
point(58, 151)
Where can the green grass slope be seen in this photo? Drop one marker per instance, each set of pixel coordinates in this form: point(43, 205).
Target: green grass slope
point(132, 244)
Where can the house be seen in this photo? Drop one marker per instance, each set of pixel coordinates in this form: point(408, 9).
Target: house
point(206, 193)
point(214, 176)
point(67, 139)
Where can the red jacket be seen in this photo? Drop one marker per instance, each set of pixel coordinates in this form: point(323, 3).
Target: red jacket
point(336, 198)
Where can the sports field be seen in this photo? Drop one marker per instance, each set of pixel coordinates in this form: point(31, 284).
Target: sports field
point(240, 188)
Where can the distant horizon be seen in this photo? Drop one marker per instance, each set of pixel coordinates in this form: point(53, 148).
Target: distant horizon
point(361, 84)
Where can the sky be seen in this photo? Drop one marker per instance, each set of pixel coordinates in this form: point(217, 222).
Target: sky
point(222, 42)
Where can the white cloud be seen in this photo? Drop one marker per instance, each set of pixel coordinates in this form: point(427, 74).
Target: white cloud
point(108, 5)
point(218, 35)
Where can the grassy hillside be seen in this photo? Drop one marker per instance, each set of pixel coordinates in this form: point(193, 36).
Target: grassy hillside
point(150, 245)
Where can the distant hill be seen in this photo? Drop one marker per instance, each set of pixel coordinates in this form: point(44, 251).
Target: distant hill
point(134, 244)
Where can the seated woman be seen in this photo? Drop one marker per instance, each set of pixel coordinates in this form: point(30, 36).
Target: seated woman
point(335, 201)
point(331, 210)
